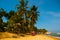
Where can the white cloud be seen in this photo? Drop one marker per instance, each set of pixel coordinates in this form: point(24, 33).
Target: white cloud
point(38, 2)
point(55, 14)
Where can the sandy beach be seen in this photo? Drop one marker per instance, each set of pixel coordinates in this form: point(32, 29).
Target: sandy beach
point(36, 37)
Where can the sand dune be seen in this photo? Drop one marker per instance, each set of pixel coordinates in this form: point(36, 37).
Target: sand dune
point(37, 37)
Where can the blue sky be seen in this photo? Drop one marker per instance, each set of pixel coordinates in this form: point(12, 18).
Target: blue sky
point(49, 12)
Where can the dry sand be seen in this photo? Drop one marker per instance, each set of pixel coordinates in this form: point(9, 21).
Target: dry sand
point(36, 37)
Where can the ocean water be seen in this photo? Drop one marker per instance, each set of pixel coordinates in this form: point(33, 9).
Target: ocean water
point(54, 34)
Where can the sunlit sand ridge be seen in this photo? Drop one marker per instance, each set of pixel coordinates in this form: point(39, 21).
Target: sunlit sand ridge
point(36, 37)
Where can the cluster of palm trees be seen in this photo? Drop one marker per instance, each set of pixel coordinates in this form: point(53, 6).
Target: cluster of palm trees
point(21, 21)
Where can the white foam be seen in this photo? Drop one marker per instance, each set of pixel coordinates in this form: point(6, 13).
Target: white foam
point(58, 33)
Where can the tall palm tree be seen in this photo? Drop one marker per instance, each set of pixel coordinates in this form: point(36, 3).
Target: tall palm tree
point(33, 16)
point(22, 14)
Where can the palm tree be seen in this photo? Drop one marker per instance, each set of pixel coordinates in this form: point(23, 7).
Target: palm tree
point(33, 16)
point(22, 13)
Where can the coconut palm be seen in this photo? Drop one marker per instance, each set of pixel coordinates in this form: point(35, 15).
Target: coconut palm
point(34, 16)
